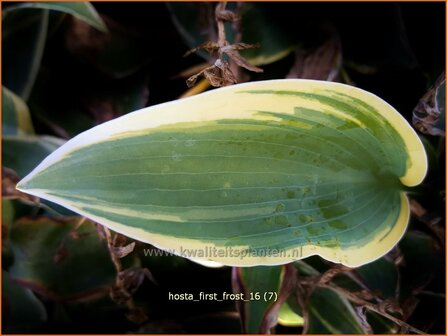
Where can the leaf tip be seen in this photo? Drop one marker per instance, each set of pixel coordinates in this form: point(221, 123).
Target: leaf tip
point(22, 186)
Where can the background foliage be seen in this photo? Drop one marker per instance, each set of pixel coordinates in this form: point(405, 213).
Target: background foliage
point(67, 68)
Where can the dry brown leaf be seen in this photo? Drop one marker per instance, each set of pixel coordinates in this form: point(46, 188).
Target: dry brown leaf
point(122, 251)
point(433, 220)
point(218, 75)
point(226, 75)
point(191, 71)
point(390, 306)
point(132, 278)
point(287, 287)
point(428, 116)
point(209, 46)
point(409, 306)
point(239, 60)
point(322, 63)
point(331, 273)
point(244, 46)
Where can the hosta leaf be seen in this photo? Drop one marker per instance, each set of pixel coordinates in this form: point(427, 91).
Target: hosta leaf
point(257, 27)
point(287, 317)
point(422, 261)
point(75, 262)
point(16, 118)
point(261, 288)
point(82, 10)
point(331, 313)
point(328, 313)
point(32, 149)
point(258, 173)
point(23, 312)
point(266, 290)
point(23, 43)
point(380, 276)
point(7, 213)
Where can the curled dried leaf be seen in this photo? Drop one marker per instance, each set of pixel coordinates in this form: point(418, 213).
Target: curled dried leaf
point(219, 74)
point(432, 219)
point(191, 81)
point(288, 286)
point(322, 63)
point(132, 278)
point(209, 46)
point(101, 232)
point(409, 306)
point(429, 114)
point(234, 55)
point(390, 306)
point(417, 209)
point(225, 74)
point(122, 251)
point(119, 240)
point(244, 46)
point(327, 276)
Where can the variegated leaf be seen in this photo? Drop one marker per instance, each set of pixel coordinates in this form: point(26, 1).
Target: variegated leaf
point(260, 173)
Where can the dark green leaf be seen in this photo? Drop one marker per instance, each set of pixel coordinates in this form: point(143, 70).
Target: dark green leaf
point(421, 260)
point(23, 43)
point(329, 313)
point(100, 99)
point(74, 262)
point(8, 212)
point(22, 153)
point(258, 284)
point(82, 10)
point(287, 317)
point(118, 54)
point(381, 275)
point(257, 27)
point(22, 310)
point(15, 115)
point(380, 324)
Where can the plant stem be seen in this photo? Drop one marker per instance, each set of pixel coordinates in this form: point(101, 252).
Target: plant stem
point(136, 314)
point(370, 306)
point(221, 38)
point(116, 261)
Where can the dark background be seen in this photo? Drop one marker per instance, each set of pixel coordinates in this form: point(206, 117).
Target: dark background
point(395, 50)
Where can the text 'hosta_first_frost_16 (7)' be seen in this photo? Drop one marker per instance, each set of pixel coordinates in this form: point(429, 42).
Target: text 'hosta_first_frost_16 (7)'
point(285, 165)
